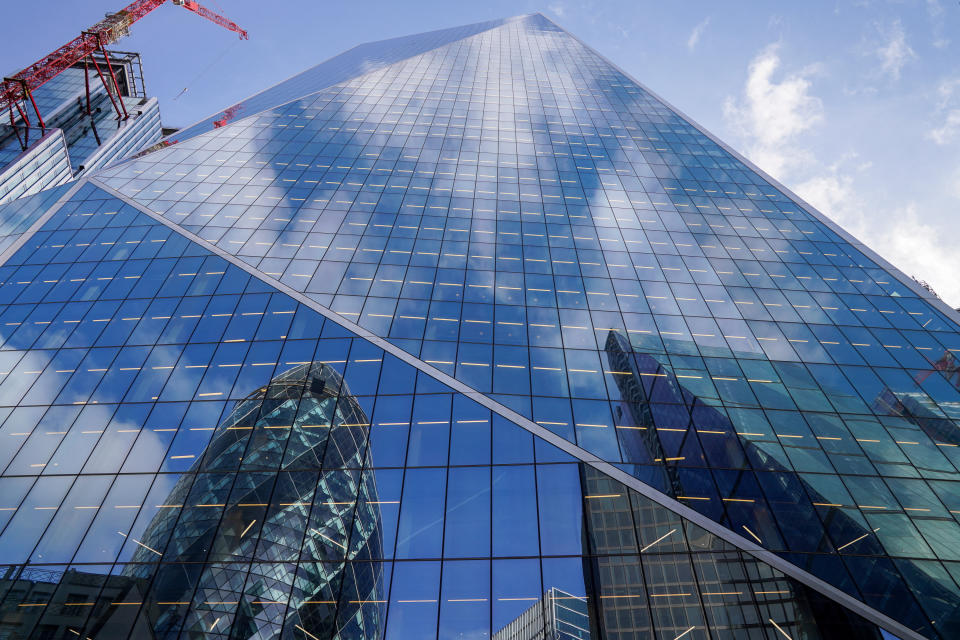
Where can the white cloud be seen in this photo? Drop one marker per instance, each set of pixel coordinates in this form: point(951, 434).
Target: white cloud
point(920, 250)
point(697, 33)
point(833, 194)
point(948, 110)
point(935, 12)
point(557, 9)
point(955, 184)
point(771, 113)
point(898, 233)
point(945, 91)
point(951, 127)
point(894, 53)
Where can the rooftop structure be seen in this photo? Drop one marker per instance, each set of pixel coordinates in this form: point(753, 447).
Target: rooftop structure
point(77, 136)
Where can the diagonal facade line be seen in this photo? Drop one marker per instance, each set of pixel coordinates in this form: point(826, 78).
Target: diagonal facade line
point(577, 452)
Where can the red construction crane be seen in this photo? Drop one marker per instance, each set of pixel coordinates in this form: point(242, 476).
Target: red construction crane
point(228, 115)
point(19, 88)
point(948, 364)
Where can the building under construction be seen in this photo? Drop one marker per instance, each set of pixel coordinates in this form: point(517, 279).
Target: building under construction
point(81, 106)
point(79, 133)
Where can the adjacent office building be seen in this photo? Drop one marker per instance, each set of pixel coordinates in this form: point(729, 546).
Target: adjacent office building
point(466, 335)
point(83, 131)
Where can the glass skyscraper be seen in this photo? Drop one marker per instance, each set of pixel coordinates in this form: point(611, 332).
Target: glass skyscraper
point(466, 335)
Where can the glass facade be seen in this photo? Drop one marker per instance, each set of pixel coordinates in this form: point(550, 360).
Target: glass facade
point(480, 339)
point(356, 61)
point(44, 165)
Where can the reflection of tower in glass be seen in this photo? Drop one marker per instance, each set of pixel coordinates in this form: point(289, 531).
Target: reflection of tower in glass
point(558, 615)
point(652, 396)
point(681, 582)
point(254, 506)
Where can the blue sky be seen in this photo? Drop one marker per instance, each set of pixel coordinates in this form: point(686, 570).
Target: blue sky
point(854, 105)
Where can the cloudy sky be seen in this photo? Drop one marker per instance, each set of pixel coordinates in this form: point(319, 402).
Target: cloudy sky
point(855, 105)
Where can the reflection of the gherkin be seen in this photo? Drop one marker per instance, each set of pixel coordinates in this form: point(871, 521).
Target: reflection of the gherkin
point(229, 557)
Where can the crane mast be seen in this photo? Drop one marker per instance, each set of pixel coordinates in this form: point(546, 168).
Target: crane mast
point(16, 91)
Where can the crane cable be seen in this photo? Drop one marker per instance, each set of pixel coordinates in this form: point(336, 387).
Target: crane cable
point(206, 69)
